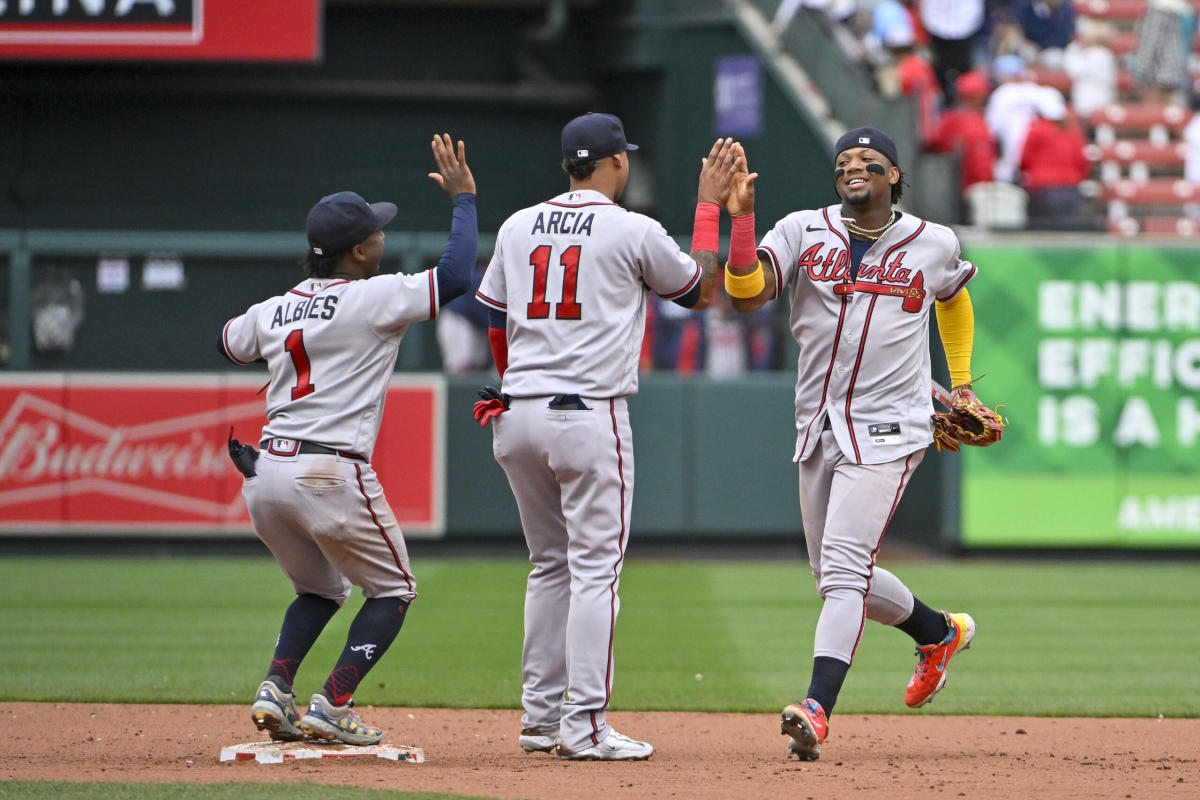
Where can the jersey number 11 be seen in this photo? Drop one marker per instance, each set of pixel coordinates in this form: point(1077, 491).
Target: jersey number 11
point(539, 259)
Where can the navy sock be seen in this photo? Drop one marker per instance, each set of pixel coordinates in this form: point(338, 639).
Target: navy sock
point(828, 675)
point(925, 625)
point(303, 622)
point(371, 633)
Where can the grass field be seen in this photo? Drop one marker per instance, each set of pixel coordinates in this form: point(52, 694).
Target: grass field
point(1055, 639)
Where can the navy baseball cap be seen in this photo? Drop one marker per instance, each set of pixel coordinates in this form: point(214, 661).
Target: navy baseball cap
point(594, 136)
point(866, 136)
point(341, 220)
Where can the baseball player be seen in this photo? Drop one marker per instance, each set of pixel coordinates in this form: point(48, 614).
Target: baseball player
point(862, 278)
point(330, 344)
point(567, 290)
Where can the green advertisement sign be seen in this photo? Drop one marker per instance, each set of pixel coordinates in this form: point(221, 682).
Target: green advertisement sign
point(1095, 354)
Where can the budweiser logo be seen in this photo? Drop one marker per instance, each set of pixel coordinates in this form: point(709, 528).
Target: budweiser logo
point(57, 462)
point(36, 452)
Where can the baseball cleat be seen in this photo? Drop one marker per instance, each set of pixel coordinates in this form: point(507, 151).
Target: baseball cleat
point(539, 739)
point(326, 721)
point(807, 726)
point(615, 747)
point(932, 660)
point(274, 711)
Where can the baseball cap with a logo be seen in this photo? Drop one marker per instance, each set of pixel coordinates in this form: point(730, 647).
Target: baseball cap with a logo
point(594, 136)
point(873, 138)
point(341, 220)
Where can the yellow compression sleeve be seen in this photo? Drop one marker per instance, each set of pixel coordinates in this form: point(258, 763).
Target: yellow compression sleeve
point(956, 325)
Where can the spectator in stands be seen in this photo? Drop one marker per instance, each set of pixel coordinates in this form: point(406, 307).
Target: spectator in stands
point(837, 17)
point(952, 27)
point(1091, 66)
point(1048, 25)
point(915, 78)
point(1053, 165)
point(678, 337)
point(889, 19)
point(1010, 110)
point(963, 130)
point(726, 345)
point(1165, 32)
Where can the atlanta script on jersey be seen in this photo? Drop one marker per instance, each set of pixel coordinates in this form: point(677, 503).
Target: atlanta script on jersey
point(864, 344)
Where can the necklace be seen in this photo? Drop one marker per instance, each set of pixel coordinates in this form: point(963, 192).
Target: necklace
point(850, 223)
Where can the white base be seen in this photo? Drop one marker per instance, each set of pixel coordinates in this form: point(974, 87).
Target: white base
point(278, 752)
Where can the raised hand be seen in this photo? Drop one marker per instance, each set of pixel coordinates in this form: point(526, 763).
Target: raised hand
point(717, 172)
point(740, 199)
point(453, 175)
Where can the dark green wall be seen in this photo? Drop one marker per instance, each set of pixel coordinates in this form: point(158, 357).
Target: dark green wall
point(712, 459)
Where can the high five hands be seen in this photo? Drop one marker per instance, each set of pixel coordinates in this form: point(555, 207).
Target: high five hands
point(453, 175)
point(740, 199)
point(717, 172)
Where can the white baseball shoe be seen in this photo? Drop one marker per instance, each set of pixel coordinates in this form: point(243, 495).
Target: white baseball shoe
point(615, 747)
point(539, 739)
point(274, 711)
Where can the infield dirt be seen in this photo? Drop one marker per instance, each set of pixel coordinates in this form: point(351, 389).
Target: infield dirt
point(700, 756)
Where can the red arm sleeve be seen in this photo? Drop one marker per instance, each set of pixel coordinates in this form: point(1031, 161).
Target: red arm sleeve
point(499, 344)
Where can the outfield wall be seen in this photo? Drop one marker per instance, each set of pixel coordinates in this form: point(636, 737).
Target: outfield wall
point(1094, 348)
point(1091, 344)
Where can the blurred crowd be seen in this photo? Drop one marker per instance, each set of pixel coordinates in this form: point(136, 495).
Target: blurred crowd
point(972, 67)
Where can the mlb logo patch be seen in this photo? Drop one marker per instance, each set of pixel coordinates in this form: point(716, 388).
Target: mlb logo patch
point(581, 153)
point(864, 140)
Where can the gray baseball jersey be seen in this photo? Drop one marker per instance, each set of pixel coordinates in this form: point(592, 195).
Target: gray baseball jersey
point(573, 274)
point(864, 344)
point(330, 347)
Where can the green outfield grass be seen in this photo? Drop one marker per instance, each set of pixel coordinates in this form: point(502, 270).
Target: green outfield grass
point(1058, 639)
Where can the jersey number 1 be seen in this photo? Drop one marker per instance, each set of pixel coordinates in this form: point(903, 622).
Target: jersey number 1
point(539, 259)
point(294, 344)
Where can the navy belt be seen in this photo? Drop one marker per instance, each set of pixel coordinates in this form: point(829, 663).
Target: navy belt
point(311, 449)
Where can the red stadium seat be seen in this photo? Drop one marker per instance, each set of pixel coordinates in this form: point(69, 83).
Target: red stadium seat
point(1129, 151)
point(1057, 78)
point(1163, 226)
point(1153, 192)
point(1123, 42)
point(1115, 10)
point(1141, 116)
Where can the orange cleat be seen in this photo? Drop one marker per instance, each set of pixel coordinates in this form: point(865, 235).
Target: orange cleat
point(808, 726)
point(932, 660)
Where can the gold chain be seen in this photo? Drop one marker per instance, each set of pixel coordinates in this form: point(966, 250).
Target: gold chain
point(850, 223)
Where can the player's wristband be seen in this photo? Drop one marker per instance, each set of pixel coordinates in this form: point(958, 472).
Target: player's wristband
point(743, 286)
point(741, 241)
point(706, 229)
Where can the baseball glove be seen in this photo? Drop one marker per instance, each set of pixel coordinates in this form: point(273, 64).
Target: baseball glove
point(965, 421)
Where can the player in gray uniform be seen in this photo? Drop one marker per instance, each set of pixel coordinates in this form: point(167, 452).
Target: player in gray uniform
point(330, 344)
point(862, 279)
point(567, 289)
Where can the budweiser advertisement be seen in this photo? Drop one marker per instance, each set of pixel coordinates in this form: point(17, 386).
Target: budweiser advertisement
point(135, 453)
point(161, 30)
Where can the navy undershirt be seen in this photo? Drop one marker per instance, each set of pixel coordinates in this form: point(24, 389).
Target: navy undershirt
point(858, 249)
point(458, 259)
